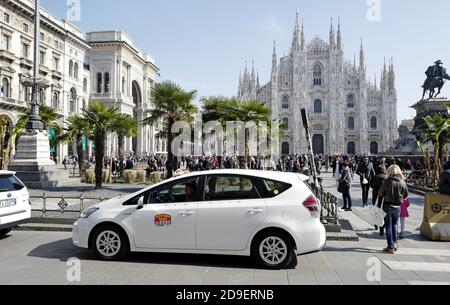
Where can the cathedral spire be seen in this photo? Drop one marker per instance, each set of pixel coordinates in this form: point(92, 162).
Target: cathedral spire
point(332, 39)
point(253, 69)
point(384, 77)
point(391, 76)
point(302, 39)
point(296, 36)
point(361, 56)
point(274, 59)
point(339, 35)
point(257, 79)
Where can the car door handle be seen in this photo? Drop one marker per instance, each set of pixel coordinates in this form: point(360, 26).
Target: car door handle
point(187, 213)
point(255, 211)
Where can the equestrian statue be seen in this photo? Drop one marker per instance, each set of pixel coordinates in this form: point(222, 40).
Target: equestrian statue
point(436, 76)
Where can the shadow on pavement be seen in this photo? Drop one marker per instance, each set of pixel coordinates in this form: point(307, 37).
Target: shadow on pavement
point(352, 249)
point(64, 249)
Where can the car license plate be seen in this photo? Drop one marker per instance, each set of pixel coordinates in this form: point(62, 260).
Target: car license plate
point(7, 203)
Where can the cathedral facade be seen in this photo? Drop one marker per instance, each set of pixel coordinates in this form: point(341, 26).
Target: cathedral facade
point(347, 112)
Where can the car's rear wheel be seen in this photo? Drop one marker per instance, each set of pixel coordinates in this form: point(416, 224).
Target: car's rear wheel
point(4, 232)
point(110, 243)
point(274, 250)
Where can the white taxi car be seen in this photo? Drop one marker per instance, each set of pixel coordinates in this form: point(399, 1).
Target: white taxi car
point(15, 206)
point(271, 216)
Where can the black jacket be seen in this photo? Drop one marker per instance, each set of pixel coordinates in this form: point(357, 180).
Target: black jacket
point(394, 190)
point(376, 183)
point(365, 171)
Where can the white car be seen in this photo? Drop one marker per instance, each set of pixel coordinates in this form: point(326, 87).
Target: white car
point(15, 206)
point(271, 216)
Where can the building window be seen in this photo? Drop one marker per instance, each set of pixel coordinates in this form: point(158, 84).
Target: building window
point(25, 27)
point(5, 87)
point(56, 63)
point(318, 106)
point(56, 44)
point(72, 100)
point(351, 101)
point(6, 18)
point(85, 85)
point(317, 75)
point(25, 50)
point(42, 37)
point(351, 123)
point(55, 100)
point(42, 97)
point(6, 42)
point(106, 82)
point(123, 84)
point(26, 93)
point(84, 104)
point(286, 123)
point(71, 68)
point(76, 71)
point(42, 58)
point(99, 82)
point(285, 103)
point(374, 123)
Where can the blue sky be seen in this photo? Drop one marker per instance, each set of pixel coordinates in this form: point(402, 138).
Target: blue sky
point(203, 44)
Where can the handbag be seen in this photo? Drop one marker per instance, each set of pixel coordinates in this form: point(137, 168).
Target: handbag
point(365, 181)
point(377, 215)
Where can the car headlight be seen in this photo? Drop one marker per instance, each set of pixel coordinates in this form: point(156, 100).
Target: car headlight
point(88, 212)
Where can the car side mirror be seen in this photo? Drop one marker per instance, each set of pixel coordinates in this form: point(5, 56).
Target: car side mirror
point(140, 203)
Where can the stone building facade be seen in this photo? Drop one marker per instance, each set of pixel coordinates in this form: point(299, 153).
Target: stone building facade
point(347, 112)
point(72, 62)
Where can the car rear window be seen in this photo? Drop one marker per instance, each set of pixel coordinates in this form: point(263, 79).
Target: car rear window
point(10, 183)
point(271, 188)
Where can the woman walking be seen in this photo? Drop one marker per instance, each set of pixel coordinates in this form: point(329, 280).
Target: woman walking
point(376, 184)
point(393, 191)
point(345, 183)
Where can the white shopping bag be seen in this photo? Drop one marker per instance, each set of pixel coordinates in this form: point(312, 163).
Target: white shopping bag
point(377, 215)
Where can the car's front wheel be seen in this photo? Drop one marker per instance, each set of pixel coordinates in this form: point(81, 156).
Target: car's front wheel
point(4, 232)
point(110, 243)
point(274, 250)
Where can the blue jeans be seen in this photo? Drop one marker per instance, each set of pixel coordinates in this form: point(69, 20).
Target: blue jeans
point(347, 198)
point(391, 220)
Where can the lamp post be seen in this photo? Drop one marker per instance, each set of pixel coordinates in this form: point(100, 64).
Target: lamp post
point(36, 83)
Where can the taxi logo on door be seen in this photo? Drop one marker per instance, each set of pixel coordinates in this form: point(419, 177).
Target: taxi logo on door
point(163, 220)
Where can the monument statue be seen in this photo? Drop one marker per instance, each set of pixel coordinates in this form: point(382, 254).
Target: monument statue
point(436, 76)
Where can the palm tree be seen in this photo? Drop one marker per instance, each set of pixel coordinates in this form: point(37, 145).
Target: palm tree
point(170, 104)
point(77, 128)
point(125, 126)
point(100, 119)
point(437, 131)
point(231, 110)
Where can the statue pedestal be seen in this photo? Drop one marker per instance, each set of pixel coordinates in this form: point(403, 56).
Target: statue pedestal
point(33, 164)
point(407, 144)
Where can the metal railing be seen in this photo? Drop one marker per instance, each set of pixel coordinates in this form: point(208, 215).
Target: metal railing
point(71, 204)
point(330, 206)
point(63, 204)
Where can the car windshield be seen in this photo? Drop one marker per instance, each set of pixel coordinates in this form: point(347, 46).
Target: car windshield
point(10, 183)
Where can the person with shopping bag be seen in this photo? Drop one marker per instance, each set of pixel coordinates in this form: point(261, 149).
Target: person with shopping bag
point(375, 184)
point(393, 191)
point(366, 172)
